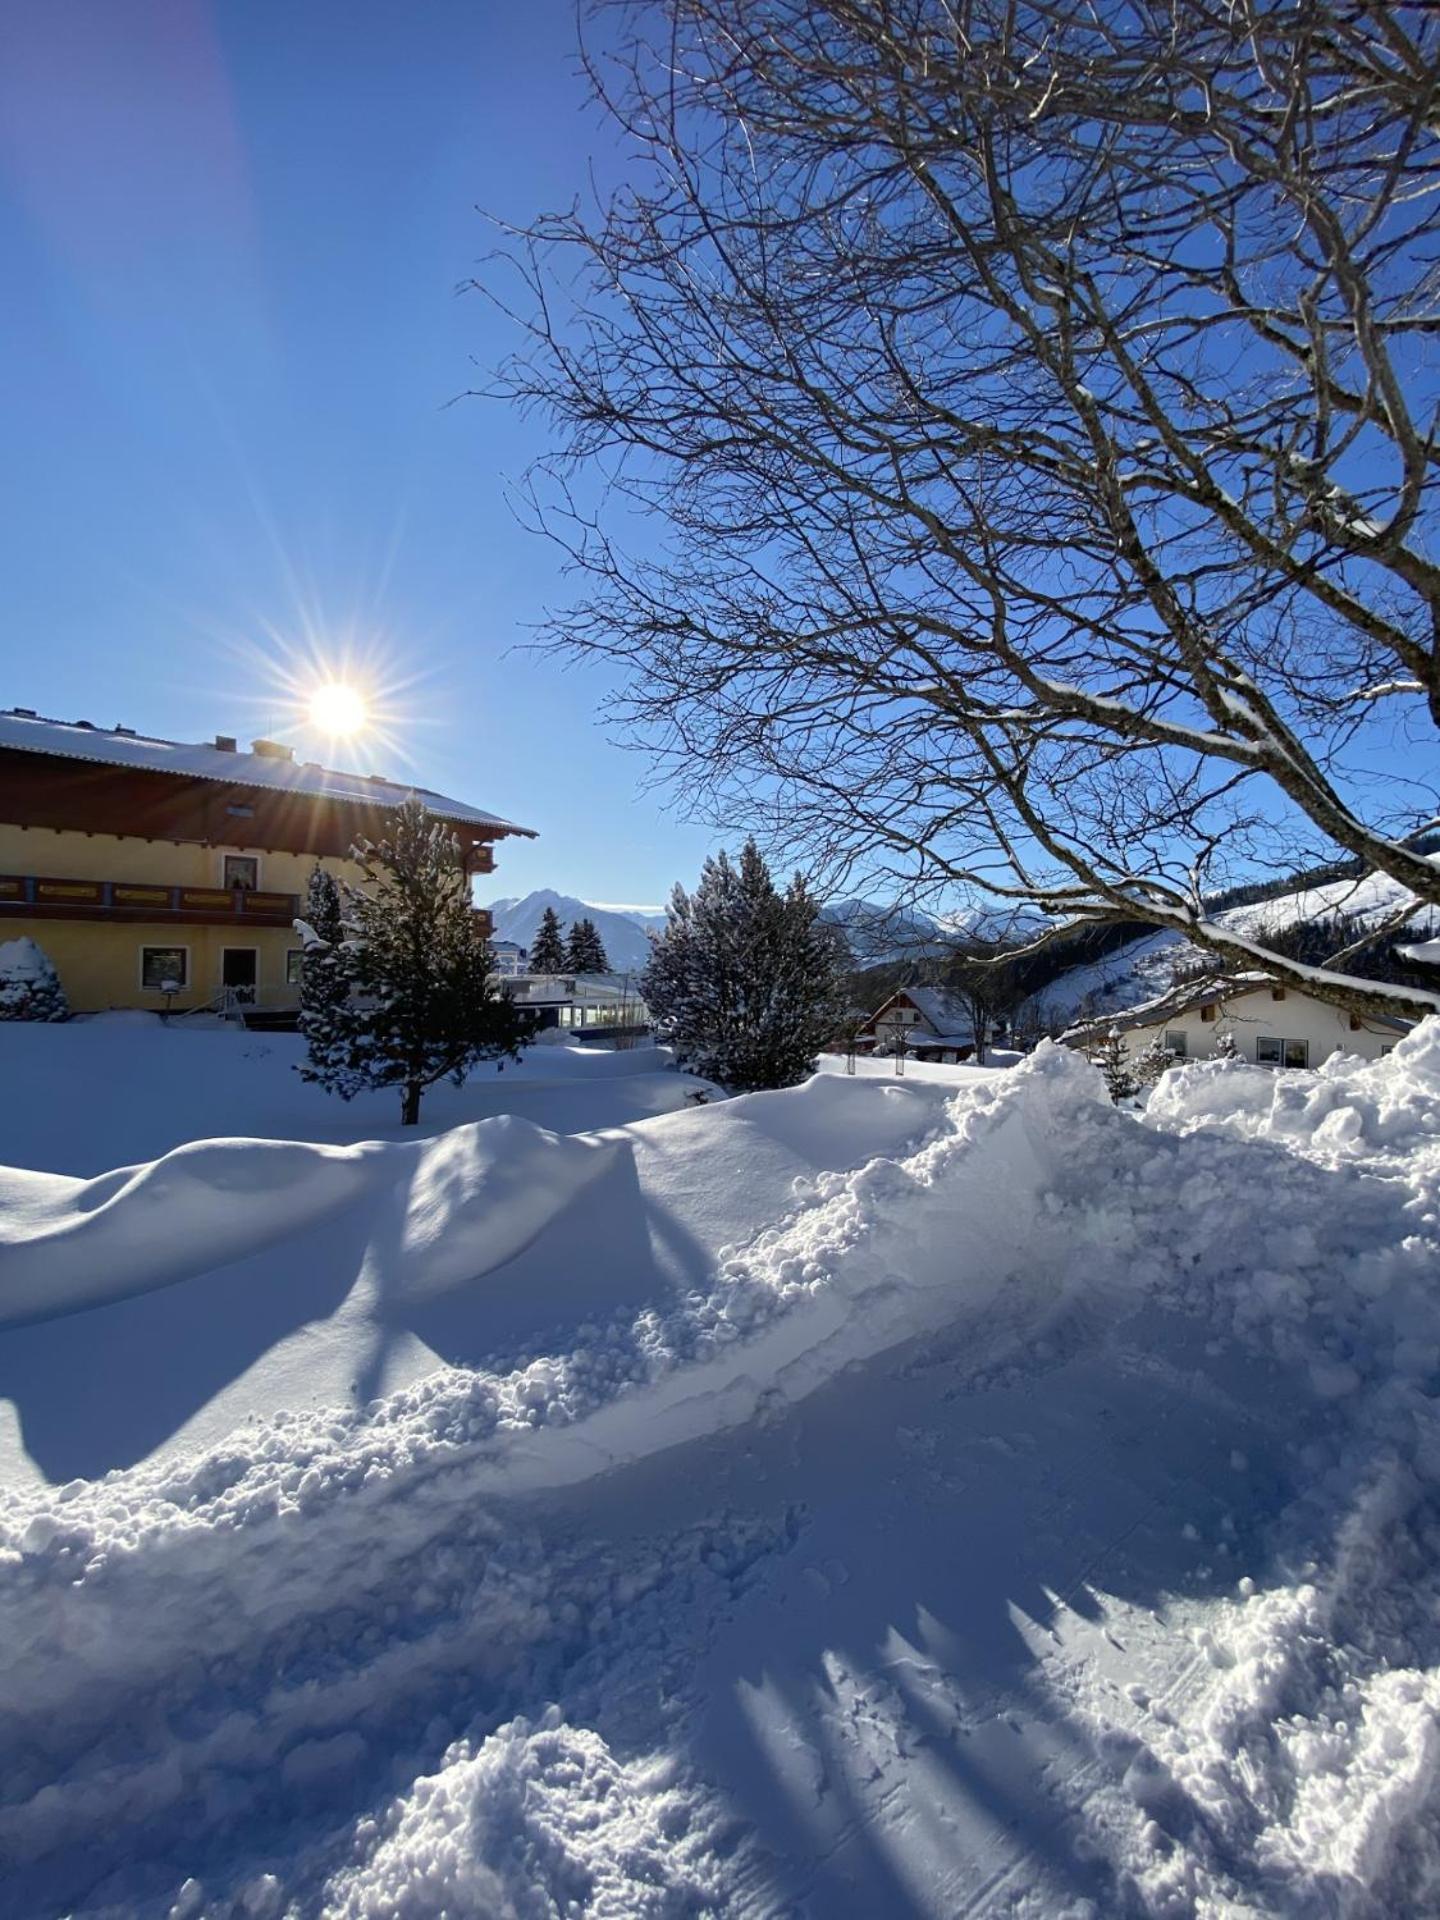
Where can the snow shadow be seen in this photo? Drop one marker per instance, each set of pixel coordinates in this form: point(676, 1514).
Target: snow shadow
point(877, 1705)
point(104, 1387)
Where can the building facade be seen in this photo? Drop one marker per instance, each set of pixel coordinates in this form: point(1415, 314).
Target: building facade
point(166, 874)
point(1266, 1024)
point(925, 1022)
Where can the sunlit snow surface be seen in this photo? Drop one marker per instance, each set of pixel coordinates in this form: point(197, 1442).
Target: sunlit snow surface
point(920, 1497)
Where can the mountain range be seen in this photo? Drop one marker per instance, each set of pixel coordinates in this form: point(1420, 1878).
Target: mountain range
point(872, 933)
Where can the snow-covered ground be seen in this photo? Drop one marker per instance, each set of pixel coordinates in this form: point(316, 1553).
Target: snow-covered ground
point(922, 1497)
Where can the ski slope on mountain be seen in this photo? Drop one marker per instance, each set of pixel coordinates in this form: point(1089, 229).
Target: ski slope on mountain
point(916, 1499)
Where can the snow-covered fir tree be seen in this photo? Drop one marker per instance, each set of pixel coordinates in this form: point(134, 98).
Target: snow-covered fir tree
point(324, 977)
point(585, 950)
point(1227, 1046)
point(547, 949)
point(422, 1005)
point(1152, 1061)
point(745, 982)
point(30, 988)
point(1112, 1057)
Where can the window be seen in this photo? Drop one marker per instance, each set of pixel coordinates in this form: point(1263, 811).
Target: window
point(164, 968)
point(1208, 1013)
point(241, 870)
point(1273, 1052)
point(1176, 1042)
point(294, 966)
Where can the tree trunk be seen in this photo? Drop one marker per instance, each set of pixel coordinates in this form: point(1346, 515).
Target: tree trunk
point(410, 1104)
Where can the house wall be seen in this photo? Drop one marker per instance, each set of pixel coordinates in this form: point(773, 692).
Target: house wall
point(1249, 1016)
point(99, 962)
point(65, 855)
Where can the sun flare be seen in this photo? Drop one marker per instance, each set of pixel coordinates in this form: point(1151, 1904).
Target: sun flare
point(337, 709)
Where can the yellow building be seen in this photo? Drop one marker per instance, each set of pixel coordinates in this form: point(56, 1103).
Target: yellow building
point(161, 873)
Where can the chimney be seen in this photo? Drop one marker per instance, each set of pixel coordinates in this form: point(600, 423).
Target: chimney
point(226, 742)
point(272, 750)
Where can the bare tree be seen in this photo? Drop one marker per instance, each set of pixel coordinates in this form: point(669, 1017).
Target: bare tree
point(1037, 399)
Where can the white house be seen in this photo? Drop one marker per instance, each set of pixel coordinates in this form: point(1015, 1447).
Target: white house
point(1272, 1026)
point(927, 1022)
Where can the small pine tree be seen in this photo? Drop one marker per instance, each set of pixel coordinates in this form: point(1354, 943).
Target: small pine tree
point(547, 949)
point(747, 983)
point(1226, 1047)
point(1112, 1057)
point(30, 988)
point(1152, 1061)
point(585, 950)
point(421, 1003)
point(324, 977)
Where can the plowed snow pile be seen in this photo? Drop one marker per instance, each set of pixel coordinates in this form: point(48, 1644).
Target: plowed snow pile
point(868, 1500)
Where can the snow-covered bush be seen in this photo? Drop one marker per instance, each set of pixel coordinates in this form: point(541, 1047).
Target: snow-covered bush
point(30, 988)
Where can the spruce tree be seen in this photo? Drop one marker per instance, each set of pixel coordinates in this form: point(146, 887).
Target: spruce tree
point(324, 981)
point(422, 1004)
point(747, 983)
point(1112, 1057)
point(585, 950)
point(547, 949)
point(30, 987)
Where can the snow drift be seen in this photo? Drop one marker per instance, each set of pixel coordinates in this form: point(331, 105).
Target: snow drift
point(455, 1208)
point(1032, 1511)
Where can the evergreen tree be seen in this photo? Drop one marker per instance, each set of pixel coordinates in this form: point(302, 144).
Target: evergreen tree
point(547, 949)
point(747, 983)
point(1112, 1057)
point(585, 950)
point(1227, 1047)
point(422, 1005)
point(324, 980)
point(30, 988)
point(1151, 1062)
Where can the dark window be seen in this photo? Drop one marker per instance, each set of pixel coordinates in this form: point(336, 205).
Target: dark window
point(242, 870)
point(164, 967)
point(1176, 1042)
point(1271, 1051)
point(294, 966)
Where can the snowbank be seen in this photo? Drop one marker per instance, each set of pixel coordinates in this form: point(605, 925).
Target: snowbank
point(987, 1490)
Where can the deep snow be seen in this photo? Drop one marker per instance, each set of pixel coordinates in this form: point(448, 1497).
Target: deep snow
point(886, 1498)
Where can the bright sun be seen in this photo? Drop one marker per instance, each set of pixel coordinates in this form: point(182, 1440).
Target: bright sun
point(336, 708)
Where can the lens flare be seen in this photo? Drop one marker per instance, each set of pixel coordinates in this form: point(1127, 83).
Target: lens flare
point(337, 709)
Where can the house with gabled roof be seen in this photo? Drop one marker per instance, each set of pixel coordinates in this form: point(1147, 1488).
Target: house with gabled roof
point(1269, 1024)
point(169, 874)
point(925, 1022)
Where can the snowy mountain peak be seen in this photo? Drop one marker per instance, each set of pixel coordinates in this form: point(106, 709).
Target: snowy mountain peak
point(626, 946)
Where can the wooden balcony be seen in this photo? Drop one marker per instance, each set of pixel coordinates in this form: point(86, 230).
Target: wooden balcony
point(36, 897)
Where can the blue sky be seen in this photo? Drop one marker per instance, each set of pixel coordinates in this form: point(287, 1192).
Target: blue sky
point(231, 237)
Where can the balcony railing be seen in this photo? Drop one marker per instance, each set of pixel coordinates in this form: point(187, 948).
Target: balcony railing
point(53, 899)
point(142, 900)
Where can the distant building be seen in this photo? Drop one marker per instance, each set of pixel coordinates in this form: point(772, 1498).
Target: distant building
point(1272, 1026)
point(925, 1022)
point(585, 1000)
point(508, 957)
point(161, 872)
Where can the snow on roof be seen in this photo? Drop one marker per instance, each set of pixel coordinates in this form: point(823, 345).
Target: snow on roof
point(1425, 952)
point(277, 772)
point(1186, 996)
point(942, 1010)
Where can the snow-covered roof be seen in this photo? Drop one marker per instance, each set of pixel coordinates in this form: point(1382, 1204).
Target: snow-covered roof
point(1186, 996)
point(1425, 953)
point(190, 760)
